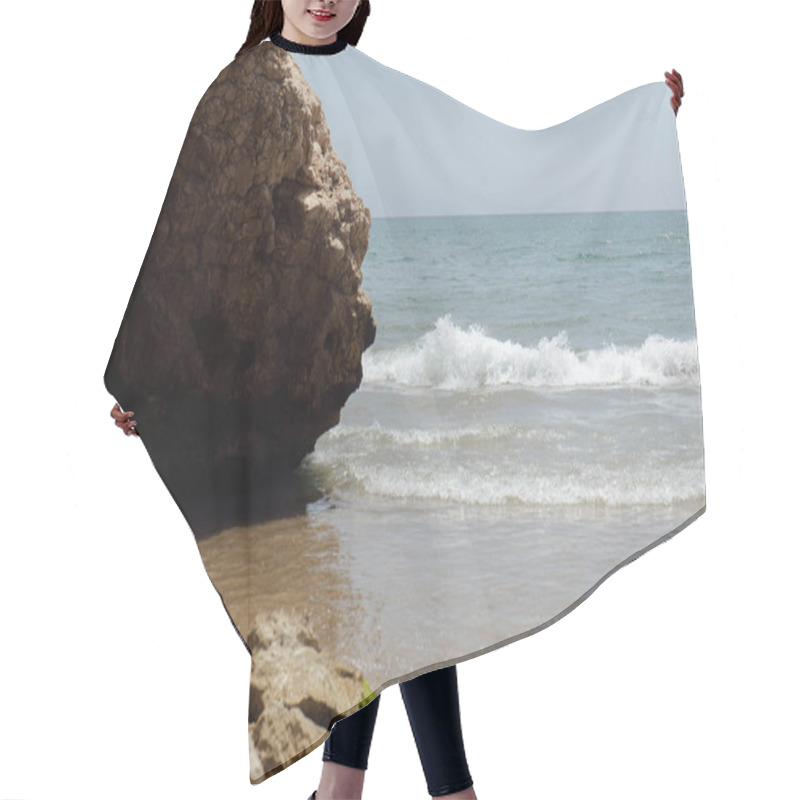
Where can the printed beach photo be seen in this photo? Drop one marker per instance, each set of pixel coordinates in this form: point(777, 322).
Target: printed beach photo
point(416, 396)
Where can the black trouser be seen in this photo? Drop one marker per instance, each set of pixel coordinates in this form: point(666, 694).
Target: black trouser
point(432, 705)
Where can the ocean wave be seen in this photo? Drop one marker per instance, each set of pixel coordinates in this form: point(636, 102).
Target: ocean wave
point(455, 358)
point(376, 435)
point(484, 483)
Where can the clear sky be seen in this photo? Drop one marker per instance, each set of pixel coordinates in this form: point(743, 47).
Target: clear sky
point(412, 150)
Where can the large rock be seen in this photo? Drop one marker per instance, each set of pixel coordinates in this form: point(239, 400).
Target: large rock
point(244, 333)
point(296, 690)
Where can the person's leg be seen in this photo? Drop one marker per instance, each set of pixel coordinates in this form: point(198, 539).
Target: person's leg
point(433, 710)
point(345, 755)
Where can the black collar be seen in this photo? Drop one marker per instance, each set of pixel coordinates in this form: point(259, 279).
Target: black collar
point(310, 49)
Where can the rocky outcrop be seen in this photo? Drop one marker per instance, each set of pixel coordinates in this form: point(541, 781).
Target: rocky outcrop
point(244, 333)
point(295, 690)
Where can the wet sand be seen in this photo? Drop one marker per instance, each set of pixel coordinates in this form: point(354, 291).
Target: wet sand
point(289, 563)
point(391, 604)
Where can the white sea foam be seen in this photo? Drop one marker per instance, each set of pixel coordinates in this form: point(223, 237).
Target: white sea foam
point(490, 464)
point(451, 357)
point(377, 436)
point(491, 483)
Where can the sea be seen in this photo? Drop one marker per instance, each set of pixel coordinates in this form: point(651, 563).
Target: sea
point(529, 420)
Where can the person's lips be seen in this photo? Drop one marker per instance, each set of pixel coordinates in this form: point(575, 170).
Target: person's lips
point(321, 15)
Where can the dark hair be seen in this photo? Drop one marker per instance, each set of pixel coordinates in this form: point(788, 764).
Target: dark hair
point(266, 18)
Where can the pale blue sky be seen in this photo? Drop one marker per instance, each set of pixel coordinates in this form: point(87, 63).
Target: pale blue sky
point(412, 150)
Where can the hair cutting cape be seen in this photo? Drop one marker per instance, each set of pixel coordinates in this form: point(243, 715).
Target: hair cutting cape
point(419, 381)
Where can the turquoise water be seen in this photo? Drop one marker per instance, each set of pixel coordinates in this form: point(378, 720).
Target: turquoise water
point(599, 278)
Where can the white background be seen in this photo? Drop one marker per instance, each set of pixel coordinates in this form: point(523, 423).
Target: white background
point(120, 674)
